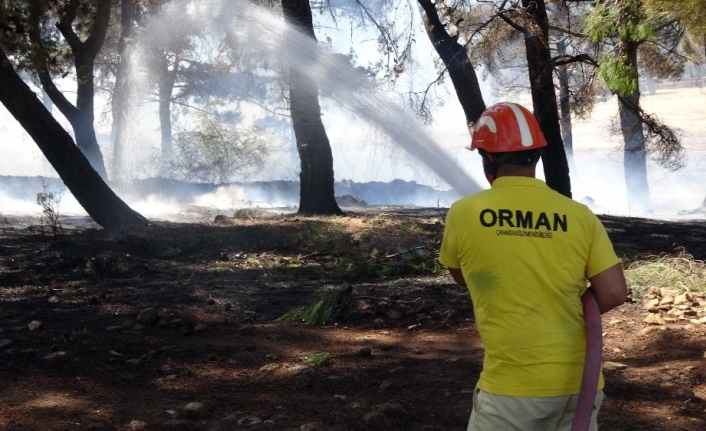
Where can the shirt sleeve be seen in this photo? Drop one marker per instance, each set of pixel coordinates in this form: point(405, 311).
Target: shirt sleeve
point(448, 255)
point(601, 255)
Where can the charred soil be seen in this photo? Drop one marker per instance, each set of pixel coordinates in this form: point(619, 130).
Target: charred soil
point(175, 327)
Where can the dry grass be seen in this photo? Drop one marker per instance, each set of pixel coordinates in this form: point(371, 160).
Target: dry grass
point(679, 271)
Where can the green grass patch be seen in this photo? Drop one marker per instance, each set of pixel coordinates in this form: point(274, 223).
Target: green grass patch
point(679, 271)
point(318, 359)
point(320, 310)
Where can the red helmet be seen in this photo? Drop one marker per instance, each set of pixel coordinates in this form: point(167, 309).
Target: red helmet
point(507, 127)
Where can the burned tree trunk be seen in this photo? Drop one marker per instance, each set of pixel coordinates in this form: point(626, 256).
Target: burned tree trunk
point(539, 61)
point(82, 180)
point(455, 58)
point(316, 177)
point(635, 151)
point(81, 116)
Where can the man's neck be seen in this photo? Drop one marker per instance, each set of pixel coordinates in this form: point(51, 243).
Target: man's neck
point(516, 171)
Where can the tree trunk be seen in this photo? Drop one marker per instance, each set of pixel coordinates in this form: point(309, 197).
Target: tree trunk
point(165, 87)
point(87, 186)
point(122, 90)
point(455, 58)
point(316, 177)
point(565, 108)
point(80, 116)
point(539, 61)
point(561, 15)
point(635, 152)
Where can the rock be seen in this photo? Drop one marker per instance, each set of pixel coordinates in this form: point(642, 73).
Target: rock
point(194, 410)
point(138, 329)
point(249, 421)
point(269, 367)
point(135, 425)
point(385, 416)
point(95, 426)
point(34, 325)
point(301, 369)
point(4, 344)
point(613, 366)
point(665, 291)
point(147, 317)
point(200, 328)
point(55, 355)
point(681, 299)
point(667, 300)
point(654, 319)
point(176, 323)
point(385, 385)
point(652, 304)
point(394, 314)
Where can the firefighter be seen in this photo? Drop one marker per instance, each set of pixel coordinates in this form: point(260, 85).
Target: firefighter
point(525, 253)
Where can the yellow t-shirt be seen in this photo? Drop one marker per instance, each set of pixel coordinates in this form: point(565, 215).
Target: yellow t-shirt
point(525, 252)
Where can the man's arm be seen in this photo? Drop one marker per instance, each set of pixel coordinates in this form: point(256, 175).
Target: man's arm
point(609, 287)
point(457, 276)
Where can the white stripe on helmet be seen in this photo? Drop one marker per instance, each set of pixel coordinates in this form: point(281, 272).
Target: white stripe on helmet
point(525, 133)
point(488, 122)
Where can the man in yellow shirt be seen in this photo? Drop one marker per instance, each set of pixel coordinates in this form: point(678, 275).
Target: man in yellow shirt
point(525, 252)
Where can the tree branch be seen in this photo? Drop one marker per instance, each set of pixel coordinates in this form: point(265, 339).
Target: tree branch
point(568, 59)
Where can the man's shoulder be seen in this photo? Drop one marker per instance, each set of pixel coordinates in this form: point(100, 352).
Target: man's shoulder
point(476, 197)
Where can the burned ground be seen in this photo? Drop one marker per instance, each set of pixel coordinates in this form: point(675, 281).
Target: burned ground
point(400, 351)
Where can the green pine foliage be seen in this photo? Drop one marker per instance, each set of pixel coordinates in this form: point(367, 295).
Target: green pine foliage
point(619, 77)
point(622, 21)
point(692, 13)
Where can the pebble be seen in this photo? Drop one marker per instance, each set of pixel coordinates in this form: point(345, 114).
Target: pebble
point(136, 425)
point(385, 385)
point(147, 317)
point(613, 366)
point(194, 410)
point(34, 325)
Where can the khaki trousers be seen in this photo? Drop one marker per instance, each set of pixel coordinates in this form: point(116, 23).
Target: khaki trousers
point(500, 413)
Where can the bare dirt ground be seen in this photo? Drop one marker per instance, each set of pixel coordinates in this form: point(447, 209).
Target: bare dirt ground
point(401, 352)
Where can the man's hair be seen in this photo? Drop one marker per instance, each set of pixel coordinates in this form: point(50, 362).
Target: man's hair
point(517, 158)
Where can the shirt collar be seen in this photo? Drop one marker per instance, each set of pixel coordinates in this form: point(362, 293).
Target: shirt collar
point(519, 181)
